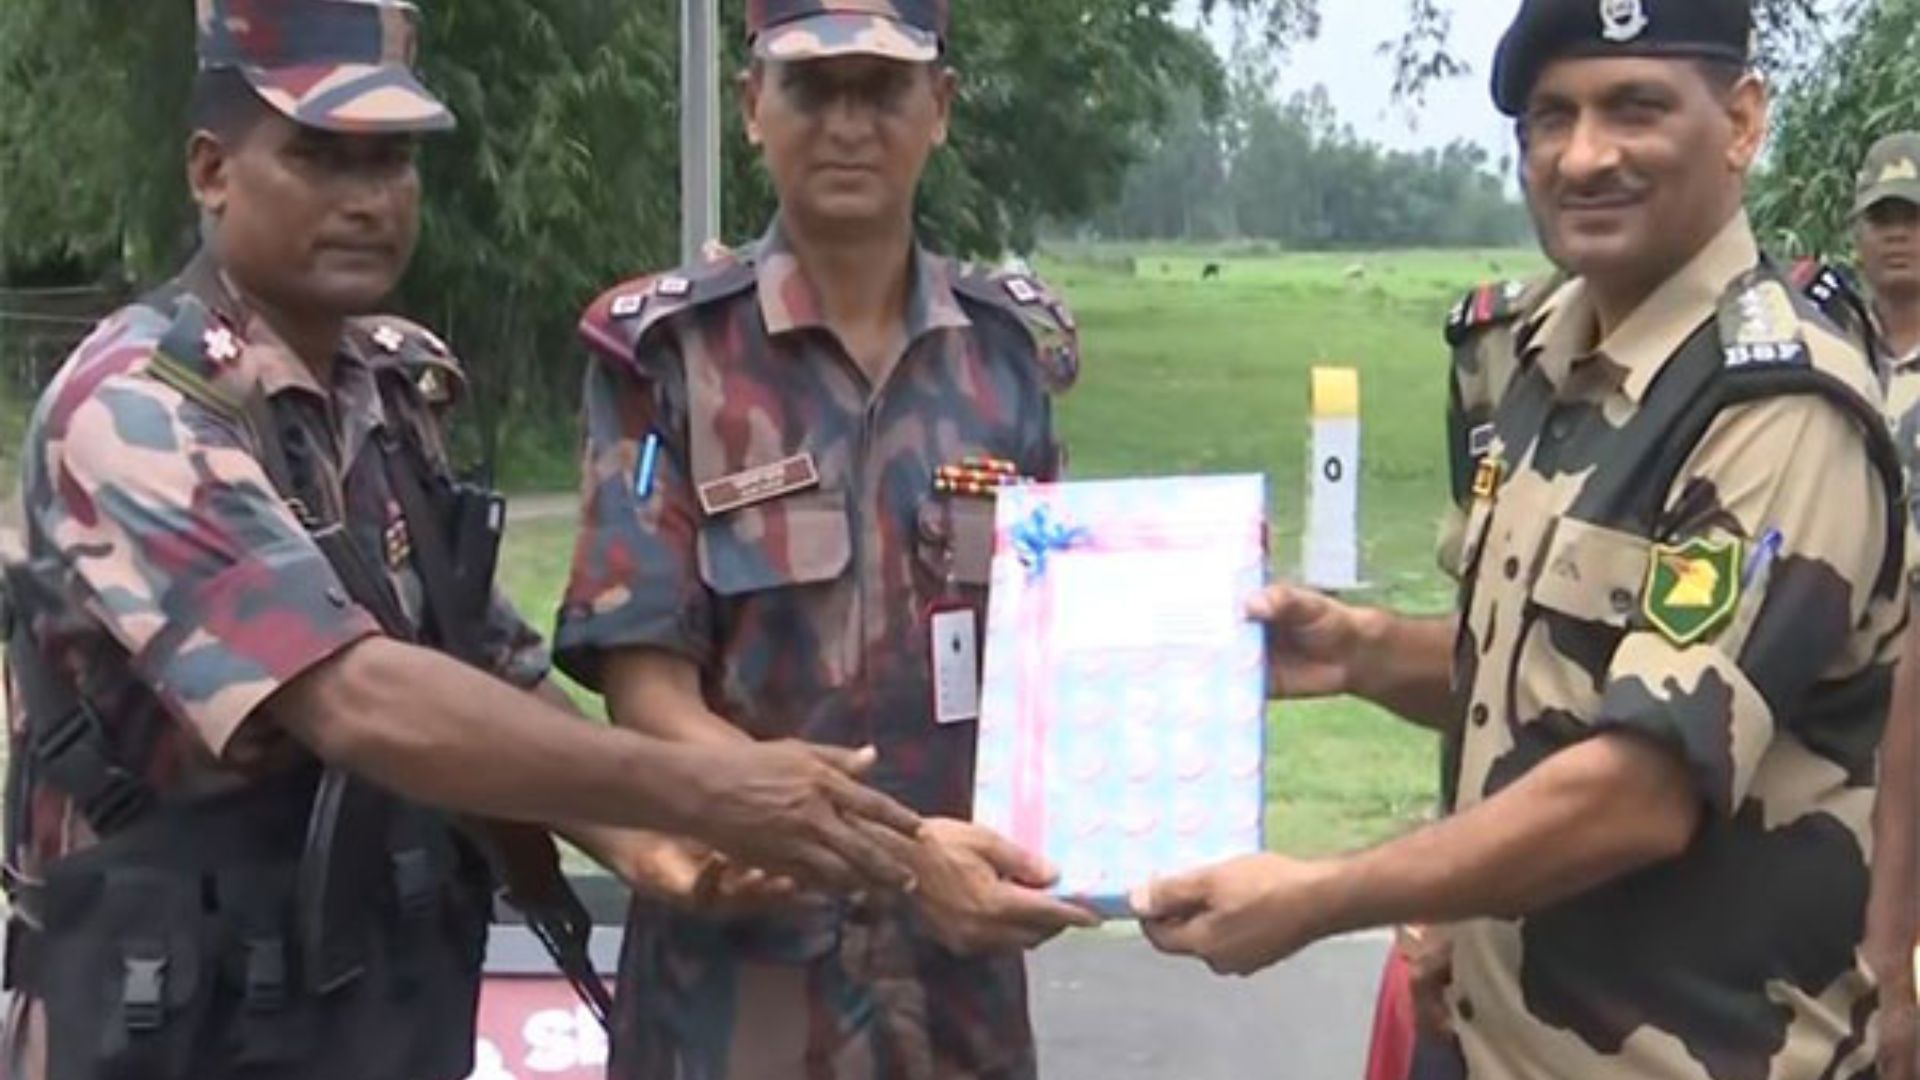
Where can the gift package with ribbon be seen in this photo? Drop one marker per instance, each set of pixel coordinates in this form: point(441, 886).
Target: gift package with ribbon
point(1123, 701)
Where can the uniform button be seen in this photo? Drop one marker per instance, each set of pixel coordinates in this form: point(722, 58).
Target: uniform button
point(1480, 715)
point(1512, 568)
point(336, 597)
point(1559, 427)
point(1622, 601)
point(1466, 1009)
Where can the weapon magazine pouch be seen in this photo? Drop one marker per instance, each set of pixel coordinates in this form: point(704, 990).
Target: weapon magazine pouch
point(162, 951)
point(123, 971)
point(258, 977)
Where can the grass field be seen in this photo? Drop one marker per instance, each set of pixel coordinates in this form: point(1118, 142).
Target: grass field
point(1184, 376)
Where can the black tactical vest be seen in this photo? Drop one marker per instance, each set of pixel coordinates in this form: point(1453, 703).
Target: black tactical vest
point(307, 926)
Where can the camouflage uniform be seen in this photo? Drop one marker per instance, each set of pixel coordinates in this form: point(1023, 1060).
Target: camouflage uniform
point(807, 616)
point(1480, 335)
point(191, 592)
point(185, 470)
point(1687, 533)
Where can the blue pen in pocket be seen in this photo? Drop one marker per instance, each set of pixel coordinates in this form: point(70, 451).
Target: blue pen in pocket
point(1764, 553)
point(649, 465)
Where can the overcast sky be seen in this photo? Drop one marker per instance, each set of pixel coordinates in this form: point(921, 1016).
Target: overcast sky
point(1360, 81)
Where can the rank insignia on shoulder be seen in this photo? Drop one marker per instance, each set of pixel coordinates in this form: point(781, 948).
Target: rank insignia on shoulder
point(674, 287)
point(1692, 589)
point(389, 339)
point(1489, 305)
point(1759, 327)
point(627, 305)
point(222, 345)
point(1022, 290)
point(433, 387)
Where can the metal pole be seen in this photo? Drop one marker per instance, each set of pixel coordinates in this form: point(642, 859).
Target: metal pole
point(699, 126)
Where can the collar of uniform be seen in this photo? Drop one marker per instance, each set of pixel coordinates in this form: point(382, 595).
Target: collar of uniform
point(268, 358)
point(1642, 344)
point(1897, 363)
point(789, 301)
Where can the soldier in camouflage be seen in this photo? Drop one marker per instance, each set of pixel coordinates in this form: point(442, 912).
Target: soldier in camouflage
point(225, 597)
point(789, 469)
point(1673, 652)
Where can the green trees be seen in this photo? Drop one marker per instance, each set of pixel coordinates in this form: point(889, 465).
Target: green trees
point(1289, 172)
point(1866, 86)
point(563, 175)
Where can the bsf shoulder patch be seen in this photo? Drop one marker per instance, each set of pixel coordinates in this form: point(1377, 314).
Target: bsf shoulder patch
point(1759, 326)
point(1692, 589)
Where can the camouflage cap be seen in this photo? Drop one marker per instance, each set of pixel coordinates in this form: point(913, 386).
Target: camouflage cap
point(336, 65)
point(1891, 171)
point(910, 30)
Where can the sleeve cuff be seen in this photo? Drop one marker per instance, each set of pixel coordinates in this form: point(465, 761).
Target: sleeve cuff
point(1698, 703)
point(583, 641)
point(256, 632)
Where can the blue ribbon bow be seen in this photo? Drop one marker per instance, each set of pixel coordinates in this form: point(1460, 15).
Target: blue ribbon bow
point(1037, 537)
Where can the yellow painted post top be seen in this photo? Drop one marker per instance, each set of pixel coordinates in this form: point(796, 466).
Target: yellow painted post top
point(1336, 393)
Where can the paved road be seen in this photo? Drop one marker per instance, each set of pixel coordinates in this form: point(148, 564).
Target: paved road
point(1108, 1008)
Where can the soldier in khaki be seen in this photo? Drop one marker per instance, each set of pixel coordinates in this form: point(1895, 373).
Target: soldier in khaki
point(1887, 235)
point(1672, 657)
point(1412, 1032)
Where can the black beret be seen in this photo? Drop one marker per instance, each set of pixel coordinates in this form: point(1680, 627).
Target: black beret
point(1549, 30)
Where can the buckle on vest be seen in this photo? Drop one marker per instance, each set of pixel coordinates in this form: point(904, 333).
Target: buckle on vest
point(266, 975)
point(414, 883)
point(143, 992)
point(75, 755)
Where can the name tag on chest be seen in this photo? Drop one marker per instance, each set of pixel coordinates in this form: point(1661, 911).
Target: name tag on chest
point(755, 486)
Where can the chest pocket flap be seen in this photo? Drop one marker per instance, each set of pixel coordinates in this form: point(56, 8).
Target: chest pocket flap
point(1592, 573)
point(800, 539)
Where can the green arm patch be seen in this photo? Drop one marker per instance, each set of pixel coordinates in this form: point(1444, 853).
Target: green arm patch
point(1692, 589)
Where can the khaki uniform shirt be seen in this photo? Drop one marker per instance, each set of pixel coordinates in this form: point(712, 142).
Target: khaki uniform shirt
point(1750, 631)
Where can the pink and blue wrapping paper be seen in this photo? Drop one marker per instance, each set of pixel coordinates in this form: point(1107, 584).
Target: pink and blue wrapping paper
point(1123, 700)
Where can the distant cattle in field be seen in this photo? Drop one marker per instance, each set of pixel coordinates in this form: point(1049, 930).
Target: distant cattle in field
point(1211, 273)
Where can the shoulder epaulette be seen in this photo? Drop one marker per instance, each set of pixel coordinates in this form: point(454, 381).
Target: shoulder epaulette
point(1045, 317)
point(1492, 304)
point(416, 352)
point(197, 355)
point(615, 323)
point(1760, 324)
point(1833, 291)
